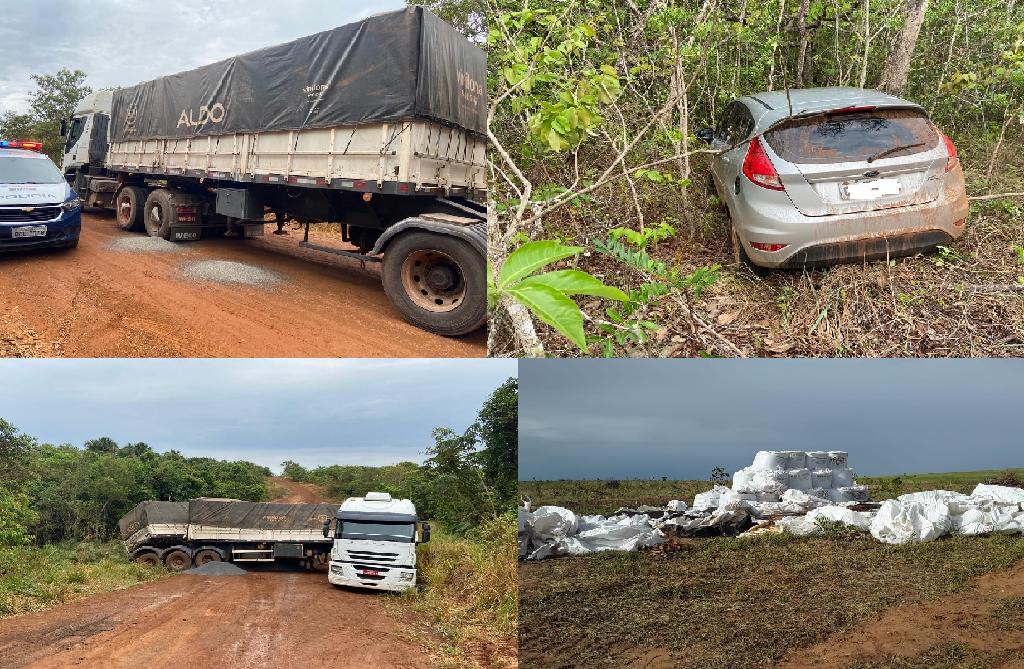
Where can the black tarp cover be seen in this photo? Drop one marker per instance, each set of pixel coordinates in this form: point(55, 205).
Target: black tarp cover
point(394, 66)
point(259, 515)
point(152, 513)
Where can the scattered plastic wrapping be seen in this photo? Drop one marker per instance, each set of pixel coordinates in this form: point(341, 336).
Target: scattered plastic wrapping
point(708, 501)
point(807, 525)
point(925, 516)
point(677, 506)
point(553, 530)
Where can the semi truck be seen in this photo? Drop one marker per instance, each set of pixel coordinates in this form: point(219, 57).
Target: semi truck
point(378, 125)
point(366, 542)
point(375, 540)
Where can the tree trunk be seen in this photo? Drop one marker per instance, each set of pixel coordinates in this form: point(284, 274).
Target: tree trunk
point(805, 6)
point(897, 65)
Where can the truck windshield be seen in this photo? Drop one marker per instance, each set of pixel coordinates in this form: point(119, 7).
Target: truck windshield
point(366, 531)
point(29, 170)
point(74, 132)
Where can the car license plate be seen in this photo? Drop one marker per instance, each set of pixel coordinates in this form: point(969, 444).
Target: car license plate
point(872, 190)
point(371, 572)
point(28, 231)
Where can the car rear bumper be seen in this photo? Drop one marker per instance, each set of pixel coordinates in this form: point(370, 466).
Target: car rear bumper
point(59, 233)
point(813, 241)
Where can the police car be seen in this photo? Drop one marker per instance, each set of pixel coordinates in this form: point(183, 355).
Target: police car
point(38, 209)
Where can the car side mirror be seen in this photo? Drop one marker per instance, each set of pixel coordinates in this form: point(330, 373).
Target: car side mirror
point(63, 127)
point(327, 529)
point(706, 135)
point(425, 533)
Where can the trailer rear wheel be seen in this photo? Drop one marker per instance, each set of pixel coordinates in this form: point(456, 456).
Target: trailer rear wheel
point(129, 207)
point(437, 282)
point(159, 213)
point(177, 560)
point(151, 559)
point(207, 555)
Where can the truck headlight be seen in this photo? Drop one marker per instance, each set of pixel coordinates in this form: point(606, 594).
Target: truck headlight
point(72, 204)
point(407, 576)
point(337, 569)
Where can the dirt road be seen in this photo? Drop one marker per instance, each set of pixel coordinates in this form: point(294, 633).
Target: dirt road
point(293, 492)
point(100, 300)
point(264, 620)
point(973, 617)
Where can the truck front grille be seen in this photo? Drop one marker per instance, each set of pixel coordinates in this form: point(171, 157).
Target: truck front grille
point(28, 214)
point(370, 556)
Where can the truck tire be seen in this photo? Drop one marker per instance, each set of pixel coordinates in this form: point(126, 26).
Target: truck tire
point(207, 555)
point(151, 559)
point(129, 207)
point(177, 560)
point(159, 213)
point(437, 282)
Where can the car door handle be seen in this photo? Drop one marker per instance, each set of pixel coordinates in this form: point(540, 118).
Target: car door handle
point(736, 186)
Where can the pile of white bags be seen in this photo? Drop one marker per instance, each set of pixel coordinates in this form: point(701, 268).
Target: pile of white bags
point(553, 530)
point(924, 516)
point(824, 474)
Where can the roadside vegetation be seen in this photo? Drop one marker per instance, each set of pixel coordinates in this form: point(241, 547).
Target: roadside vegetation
point(33, 578)
point(746, 603)
point(608, 239)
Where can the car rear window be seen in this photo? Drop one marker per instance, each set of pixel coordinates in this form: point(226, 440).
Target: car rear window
point(28, 170)
point(853, 137)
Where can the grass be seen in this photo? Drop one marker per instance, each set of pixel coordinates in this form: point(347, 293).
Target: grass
point(33, 578)
point(468, 593)
point(741, 603)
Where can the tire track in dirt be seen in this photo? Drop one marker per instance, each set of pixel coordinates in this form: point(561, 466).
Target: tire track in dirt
point(262, 620)
point(100, 301)
point(965, 617)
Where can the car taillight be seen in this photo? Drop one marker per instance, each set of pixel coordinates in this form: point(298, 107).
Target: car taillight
point(770, 248)
point(757, 167)
point(951, 150)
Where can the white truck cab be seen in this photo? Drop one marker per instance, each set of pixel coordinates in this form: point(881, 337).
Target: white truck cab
point(86, 134)
point(375, 541)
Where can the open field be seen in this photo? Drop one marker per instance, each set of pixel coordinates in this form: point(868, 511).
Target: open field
point(773, 600)
point(120, 295)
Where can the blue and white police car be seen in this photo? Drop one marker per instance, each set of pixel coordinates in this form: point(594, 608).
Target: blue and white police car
point(38, 209)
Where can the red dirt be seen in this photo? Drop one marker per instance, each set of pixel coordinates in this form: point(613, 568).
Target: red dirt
point(95, 301)
point(907, 631)
point(295, 492)
point(264, 620)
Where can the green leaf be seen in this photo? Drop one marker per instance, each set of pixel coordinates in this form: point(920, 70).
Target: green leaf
point(553, 308)
point(530, 257)
point(575, 282)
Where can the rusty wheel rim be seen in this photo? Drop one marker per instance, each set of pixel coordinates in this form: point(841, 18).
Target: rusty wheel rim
point(206, 557)
point(149, 559)
point(178, 562)
point(433, 281)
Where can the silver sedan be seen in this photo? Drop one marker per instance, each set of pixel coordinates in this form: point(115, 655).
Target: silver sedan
point(830, 175)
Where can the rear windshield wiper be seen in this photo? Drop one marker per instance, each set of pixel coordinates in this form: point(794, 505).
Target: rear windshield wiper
point(894, 149)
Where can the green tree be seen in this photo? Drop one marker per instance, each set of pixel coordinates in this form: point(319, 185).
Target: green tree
point(15, 518)
point(497, 428)
point(54, 100)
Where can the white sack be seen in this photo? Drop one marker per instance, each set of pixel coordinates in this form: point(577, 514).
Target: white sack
point(796, 459)
point(818, 460)
point(821, 478)
point(621, 537)
point(807, 525)
point(900, 522)
point(553, 522)
point(770, 481)
point(770, 460)
point(839, 458)
point(842, 477)
point(677, 505)
point(1000, 493)
point(708, 501)
point(800, 479)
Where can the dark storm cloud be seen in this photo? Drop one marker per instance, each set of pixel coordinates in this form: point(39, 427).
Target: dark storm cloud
point(647, 418)
point(316, 412)
point(124, 42)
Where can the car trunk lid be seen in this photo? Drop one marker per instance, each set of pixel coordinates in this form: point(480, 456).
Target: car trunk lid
point(859, 160)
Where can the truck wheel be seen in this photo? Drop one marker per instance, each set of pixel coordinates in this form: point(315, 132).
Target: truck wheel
point(159, 213)
point(207, 555)
point(151, 559)
point(129, 207)
point(177, 560)
point(437, 282)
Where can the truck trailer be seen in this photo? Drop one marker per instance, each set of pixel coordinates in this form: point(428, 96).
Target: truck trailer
point(181, 535)
point(378, 125)
point(375, 541)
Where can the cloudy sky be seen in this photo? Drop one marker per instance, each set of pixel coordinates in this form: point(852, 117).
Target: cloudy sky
point(124, 42)
point(642, 419)
point(316, 412)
